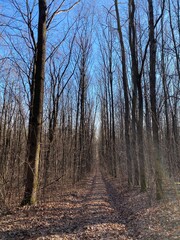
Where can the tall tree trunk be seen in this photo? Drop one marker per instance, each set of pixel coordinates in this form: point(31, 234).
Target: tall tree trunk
point(76, 144)
point(155, 123)
point(126, 96)
point(176, 51)
point(166, 107)
point(82, 117)
point(31, 186)
point(32, 86)
point(137, 85)
point(112, 128)
point(177, 57)
point(141, 138)
point(132, 43)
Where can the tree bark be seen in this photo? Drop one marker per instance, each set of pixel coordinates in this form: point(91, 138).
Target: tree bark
point(35, 123)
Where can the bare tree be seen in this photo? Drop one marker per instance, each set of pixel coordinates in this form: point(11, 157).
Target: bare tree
point(126, 95)
point(30, 194)
point(155, 122)
point(137, 85)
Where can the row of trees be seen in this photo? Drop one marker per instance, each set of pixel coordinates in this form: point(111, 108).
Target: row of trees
point(140, 92)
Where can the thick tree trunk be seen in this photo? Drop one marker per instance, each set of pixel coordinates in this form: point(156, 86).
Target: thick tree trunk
point(31, 186)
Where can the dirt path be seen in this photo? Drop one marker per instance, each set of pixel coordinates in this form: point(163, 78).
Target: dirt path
point(86, 213)
point(100, 219)
point(95, 209)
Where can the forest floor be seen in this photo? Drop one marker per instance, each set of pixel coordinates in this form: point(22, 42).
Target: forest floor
point(97, 208)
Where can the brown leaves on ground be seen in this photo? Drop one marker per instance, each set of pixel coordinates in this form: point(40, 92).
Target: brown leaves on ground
point(98, 209)
point(145, 217)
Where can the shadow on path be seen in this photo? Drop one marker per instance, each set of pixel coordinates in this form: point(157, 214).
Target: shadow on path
point(88, 214)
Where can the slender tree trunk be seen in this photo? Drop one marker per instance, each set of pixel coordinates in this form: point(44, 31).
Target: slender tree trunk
point(155, 123)
point(76, 144)
point(177, 57)
point(174, 39)
point(125, 87)
point(113, 130)
point(82, 118)
point(132, 43)
point(141, 138)
point(113, 136)
point(165, 89)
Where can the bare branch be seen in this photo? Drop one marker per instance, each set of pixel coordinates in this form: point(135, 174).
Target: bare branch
point(59, 10)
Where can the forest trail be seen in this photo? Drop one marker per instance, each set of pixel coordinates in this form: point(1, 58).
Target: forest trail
point(94, 209)
point(88, 213)
point(100, 218)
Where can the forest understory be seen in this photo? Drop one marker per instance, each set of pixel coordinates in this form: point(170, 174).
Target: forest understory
point(98, 207)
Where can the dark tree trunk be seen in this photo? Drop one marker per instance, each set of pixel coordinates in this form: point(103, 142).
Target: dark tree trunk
point(112, 124)
point(82, 117)
point(126, 96)
point(137, 85)
point(31, 186)
point(132, 43)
